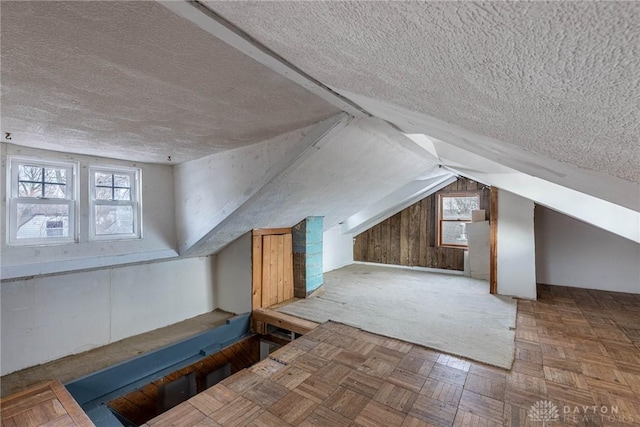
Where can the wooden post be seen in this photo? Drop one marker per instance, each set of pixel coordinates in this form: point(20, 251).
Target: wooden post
point(256, 257)
point(493, 242)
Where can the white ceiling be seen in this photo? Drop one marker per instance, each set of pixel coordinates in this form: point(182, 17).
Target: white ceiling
point(551, 89)
point(558, 79)
point(132, 80)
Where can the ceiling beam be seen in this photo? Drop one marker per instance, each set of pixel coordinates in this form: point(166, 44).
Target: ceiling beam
point(216, 25)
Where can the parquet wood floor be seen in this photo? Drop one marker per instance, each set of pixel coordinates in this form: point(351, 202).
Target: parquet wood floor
point(45, 404)
point(576, 348)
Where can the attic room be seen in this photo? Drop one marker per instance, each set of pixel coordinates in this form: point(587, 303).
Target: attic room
point(319, 213)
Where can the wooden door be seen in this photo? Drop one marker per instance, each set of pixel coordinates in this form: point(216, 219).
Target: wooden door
point(272, 267)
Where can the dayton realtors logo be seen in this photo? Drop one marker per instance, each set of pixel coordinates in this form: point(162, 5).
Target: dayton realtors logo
point(546, 412)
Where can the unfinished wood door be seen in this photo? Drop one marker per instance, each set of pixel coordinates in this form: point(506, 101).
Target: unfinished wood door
point(272, 267)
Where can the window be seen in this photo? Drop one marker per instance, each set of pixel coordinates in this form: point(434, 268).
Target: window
point(454, 215)
point(115, 203)
point(42, 201)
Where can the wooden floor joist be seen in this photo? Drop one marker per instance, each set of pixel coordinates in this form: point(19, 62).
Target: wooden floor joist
point(262, 317)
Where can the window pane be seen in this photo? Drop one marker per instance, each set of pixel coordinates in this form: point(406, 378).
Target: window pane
point(122, 181)
point(104, 179)
point(454, 233)
point(28, 189)
point(459, 208)
point(42, 220)
point(103, 193)
point(29, 173)
point(112, 220)
point(54, 175)
point(55, 191)
point(122, 194)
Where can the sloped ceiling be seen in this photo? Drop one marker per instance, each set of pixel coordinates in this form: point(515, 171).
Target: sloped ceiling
point(340, 174)
point(548, 89)
point(558, 79)
point(131, 80)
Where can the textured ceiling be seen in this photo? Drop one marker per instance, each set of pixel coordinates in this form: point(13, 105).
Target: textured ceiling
point(559, 79)
point(133, 80)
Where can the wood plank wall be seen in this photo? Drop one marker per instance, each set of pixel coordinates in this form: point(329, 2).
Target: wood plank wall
point(410, 237)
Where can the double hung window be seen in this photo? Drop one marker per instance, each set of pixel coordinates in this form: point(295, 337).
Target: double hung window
point(42, 201)
point(114, 203)
point(454, 215)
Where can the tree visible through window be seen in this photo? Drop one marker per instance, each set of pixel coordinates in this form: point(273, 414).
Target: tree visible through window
point(42, 201)
point(454, 214)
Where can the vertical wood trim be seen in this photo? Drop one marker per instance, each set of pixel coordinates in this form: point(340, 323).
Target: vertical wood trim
point(493, 241)
point(256, 268)
point(438, 216)
point(273, 266)
point(280, 258)
point(288, 266)
point(266, 269)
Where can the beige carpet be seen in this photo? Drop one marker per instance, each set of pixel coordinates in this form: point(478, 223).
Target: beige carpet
point(446, 312)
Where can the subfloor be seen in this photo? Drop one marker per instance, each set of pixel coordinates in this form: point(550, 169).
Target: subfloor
point(79, 365)
point(577, 351)
point(446, 312)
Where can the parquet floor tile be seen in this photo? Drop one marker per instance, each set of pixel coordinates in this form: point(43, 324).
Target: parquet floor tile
point(378, 415)
point(577, 349)
point(395, 397)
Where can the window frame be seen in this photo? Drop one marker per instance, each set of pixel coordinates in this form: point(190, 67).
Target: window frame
point(441, 196)
point(135, 190)
point(13, 200)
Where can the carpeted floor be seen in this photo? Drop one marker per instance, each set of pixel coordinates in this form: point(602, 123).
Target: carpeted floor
point(450, 313)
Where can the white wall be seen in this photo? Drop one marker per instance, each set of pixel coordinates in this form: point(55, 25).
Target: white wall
point(343, 172)
point(572, 253)
point(50, 317)
point(337, 249)
point(516, 246)
point(479, 251)
point(158, 222)
point(211, 188)
point(233, 276)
